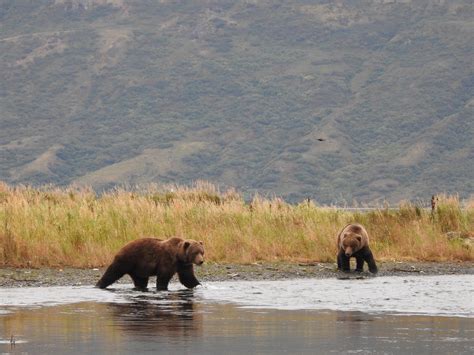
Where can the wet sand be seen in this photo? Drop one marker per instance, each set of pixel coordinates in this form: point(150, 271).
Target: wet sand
point(15, 277)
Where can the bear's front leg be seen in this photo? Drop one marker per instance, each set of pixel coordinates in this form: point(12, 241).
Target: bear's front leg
point(343, 261)
point(369, 258)
point(186, 276)
point(360, 264)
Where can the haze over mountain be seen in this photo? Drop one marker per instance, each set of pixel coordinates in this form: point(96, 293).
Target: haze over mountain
point(332, 100)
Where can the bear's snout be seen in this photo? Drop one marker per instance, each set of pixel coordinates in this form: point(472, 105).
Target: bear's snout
point(199, 259)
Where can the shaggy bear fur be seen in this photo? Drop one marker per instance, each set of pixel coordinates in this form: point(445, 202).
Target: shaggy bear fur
point(147, 257)
point(353, 241)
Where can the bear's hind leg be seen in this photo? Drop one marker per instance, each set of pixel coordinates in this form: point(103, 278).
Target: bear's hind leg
point(112, 274)
point(162, 282)
point(359, 264)
point(140, 283)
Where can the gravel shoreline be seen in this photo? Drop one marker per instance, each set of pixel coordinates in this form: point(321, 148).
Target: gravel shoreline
point(14, 277)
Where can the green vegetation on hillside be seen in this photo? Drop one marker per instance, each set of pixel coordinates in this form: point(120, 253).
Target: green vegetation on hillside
point(107, 92)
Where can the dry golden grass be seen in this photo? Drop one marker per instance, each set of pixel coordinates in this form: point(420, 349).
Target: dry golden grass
point(75, 227)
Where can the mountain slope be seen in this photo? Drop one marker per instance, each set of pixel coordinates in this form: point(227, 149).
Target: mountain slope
point(336, 101)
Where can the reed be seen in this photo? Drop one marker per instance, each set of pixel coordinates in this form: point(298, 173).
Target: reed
point(75, 227)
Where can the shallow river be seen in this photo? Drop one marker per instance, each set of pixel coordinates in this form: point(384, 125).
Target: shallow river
point(416, 314)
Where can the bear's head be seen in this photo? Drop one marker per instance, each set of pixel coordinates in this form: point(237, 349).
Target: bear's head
point(351, 243)
point(192, 252)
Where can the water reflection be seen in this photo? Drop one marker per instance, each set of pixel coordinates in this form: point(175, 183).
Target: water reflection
point(171, 314)
point(141, 322)
point(345, 317)
point(176, 323)
point(240, 317)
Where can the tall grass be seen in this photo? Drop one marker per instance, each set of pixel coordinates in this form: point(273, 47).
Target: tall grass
point(76, 227)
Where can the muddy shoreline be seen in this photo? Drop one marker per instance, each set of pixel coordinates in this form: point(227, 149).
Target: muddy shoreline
point(14, 277)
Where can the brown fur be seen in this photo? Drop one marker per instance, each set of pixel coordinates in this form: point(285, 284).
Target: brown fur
point(352, 238)
point(353, 241)
point(147, 257)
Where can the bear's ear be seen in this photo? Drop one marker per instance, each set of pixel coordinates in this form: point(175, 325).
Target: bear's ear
point(200, 242)
point(186, 245)
point(359, 238)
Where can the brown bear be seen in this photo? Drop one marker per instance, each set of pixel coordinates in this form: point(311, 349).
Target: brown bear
point(353, 241)
point(147, 257)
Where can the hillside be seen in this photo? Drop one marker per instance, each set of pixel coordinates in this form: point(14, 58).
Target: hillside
point(333, 100)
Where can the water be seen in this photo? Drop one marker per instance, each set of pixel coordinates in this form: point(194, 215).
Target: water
point(429, 314)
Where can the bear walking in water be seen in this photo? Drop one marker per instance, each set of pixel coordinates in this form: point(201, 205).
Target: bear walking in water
point(353, 241)
point(147, 257)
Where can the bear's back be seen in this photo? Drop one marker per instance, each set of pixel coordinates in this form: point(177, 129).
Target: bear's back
point(138, 249)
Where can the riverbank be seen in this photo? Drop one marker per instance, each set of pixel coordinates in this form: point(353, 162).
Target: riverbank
point(16, 277)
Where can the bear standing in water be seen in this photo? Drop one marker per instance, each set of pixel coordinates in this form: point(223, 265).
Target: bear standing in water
point(353, 241)
point(147, 257)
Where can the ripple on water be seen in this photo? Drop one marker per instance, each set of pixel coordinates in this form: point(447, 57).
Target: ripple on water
point(431, 295)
